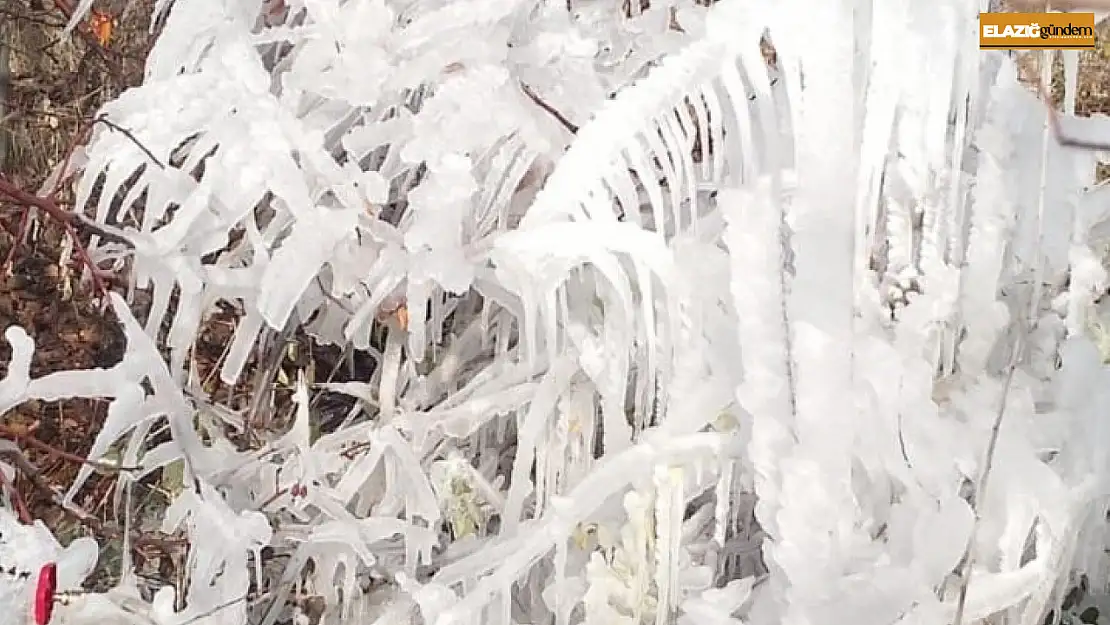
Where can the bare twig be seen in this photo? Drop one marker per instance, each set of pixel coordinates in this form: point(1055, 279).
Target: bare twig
point(127, 133)
point(5, 87)
point(569, 125)
point(965, 568)
point(95, 525)
point(30, 440)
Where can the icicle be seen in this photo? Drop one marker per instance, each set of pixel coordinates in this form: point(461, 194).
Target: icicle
point(723, 504)
point(669, 509)
point(391, 366)
point(562, 604)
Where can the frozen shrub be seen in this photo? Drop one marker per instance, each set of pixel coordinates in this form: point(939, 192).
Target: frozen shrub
point(664, 327)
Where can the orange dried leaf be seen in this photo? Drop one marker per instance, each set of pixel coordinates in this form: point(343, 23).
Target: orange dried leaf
point(101, 23)
point(403, 317)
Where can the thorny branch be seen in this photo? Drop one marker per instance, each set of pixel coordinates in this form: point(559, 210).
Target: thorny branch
point(74, 224)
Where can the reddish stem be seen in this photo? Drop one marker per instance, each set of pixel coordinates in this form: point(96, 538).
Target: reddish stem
point(20, 235)
point(66, 218)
